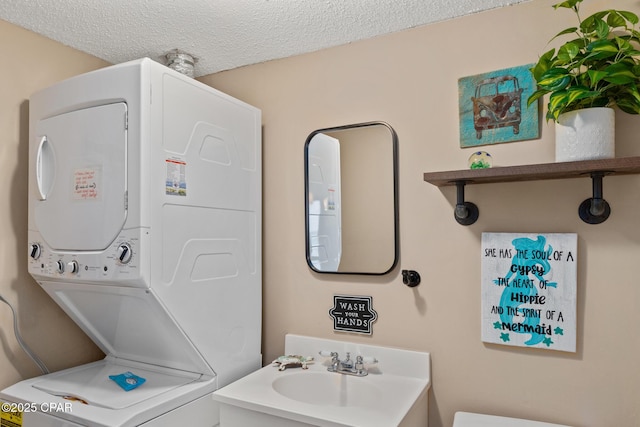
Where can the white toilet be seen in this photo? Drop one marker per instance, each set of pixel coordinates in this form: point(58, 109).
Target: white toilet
point(466, 419)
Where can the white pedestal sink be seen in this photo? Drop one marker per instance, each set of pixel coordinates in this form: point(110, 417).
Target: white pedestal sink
point(394, 393)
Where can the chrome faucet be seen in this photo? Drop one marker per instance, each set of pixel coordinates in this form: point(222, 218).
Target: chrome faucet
point(347, 366)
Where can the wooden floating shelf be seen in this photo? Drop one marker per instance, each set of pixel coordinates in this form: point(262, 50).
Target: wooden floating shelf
point(561, 170)
point(592, 211)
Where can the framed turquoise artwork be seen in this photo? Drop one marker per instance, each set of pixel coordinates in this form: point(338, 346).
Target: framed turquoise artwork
point(493, 107)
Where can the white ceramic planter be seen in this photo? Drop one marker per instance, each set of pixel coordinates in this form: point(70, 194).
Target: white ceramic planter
point(586, 134)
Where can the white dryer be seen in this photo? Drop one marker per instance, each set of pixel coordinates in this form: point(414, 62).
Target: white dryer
point(145, 227)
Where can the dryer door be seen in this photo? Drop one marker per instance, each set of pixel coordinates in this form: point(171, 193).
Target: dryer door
point(80, 168)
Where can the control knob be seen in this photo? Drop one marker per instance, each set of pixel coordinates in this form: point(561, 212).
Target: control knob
point(124, 253)
point(72, 267)
point(59, 266)
point(35, 250)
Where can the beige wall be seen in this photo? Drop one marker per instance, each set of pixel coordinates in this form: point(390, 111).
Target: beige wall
point(30, 63)
point(409, 79)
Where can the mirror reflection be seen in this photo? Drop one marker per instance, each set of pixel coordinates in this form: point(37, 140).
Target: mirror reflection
point(351, 205)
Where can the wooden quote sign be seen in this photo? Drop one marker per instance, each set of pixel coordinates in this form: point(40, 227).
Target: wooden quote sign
point(529, 290)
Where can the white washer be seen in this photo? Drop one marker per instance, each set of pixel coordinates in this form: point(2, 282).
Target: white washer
point(145, 227)
point(466, 419)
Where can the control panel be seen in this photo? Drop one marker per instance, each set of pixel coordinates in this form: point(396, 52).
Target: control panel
point(121, 261)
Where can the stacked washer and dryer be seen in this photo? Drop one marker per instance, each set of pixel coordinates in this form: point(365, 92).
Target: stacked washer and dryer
point(145, 227)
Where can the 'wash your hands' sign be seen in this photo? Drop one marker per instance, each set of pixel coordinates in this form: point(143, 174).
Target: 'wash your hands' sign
point(529, 290)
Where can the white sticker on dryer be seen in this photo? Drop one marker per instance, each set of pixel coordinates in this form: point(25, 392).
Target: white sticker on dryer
point(87, 183)
point(176, 183)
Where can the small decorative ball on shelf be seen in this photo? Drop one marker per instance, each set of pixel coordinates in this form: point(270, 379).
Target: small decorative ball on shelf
point(480, 160)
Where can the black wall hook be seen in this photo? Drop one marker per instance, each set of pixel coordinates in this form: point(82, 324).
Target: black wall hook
point(410, 278)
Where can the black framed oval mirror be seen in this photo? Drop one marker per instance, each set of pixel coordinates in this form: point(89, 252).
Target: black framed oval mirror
point(351, 199)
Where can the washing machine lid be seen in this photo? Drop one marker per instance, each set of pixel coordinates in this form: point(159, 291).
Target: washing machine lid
point(80, 166)
point(129, 324)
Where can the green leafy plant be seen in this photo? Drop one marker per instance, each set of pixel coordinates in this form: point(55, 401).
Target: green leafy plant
point(599, 68)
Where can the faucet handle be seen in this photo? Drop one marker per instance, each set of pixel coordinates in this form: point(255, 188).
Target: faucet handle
point(335, 358)
point(360, 362)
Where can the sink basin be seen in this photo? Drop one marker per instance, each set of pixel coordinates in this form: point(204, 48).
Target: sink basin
point(393, 394)
point(329, 389)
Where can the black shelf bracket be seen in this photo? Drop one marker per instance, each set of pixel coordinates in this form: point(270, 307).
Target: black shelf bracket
point(466, 213)
point(595, 210)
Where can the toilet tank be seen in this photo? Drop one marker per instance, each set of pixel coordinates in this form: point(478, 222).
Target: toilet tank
point(466, 419)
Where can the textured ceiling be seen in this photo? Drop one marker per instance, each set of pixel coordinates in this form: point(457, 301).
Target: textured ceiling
point(225, 34)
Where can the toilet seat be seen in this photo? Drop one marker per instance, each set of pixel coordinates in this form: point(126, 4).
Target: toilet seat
point(467, 419)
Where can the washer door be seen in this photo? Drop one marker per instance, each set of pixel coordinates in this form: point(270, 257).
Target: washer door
point(80, 168)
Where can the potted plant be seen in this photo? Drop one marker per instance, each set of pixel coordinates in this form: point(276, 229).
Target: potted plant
point(596, 70)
